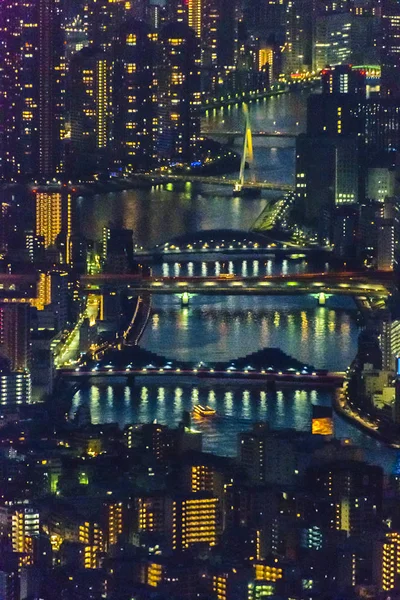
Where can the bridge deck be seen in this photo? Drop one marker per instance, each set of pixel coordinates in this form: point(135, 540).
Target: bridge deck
point(162, 178)
point(331, 283)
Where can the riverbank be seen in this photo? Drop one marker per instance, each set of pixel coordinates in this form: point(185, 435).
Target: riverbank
point(249, 97)
point(371, 428)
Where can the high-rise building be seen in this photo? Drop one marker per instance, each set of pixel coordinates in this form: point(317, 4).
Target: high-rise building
point(91, 535)
point(385, 561)
point(117, 249)
point(15, 333)
point(178, 78)
point(355, 488)
point(102, 20)
point(343, 79)
point(15, 387)
point(193, 519)
point(31, 88)
point(50, 74)
point(298, 26)
point(90, 113)
point(52, 299)
point(114, 522)
point(134, 84)
point(388, 234)
point(390, 49)
point(54, 219)
point(381, 182)
point(215, 26)
point(25, 525)
point(320, 190)
point(251, 452)
point(385, 250)
point(332, 43)
point(375, 121)
point(10, 93)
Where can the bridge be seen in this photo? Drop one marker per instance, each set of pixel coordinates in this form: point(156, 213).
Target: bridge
point(163, 178)
point(257, 134)
point(268, 365)
point(352, 284)
point(314, 379)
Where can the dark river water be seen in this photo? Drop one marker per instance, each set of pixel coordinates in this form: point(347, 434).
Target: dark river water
point(226, 327)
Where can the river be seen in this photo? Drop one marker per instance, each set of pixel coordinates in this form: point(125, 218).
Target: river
point(226, 327)
point(160, 214)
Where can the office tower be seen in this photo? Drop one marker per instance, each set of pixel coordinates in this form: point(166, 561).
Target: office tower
point(332, 43)
point(381, 183)
point(117, 249)
point(297, 48)
point(355, 488)
point(193, 519)
point(15, 333)
point(318, 190)
point(135, 117)
point(365, 34)
point(345, 230)
point(390, 48)
point(373, 121)
point(385, 245)
point(343, 79)
point(227, 33)
point(25, 525)
point(178, 78)
point(90, 109)
point(54, 219)
point(388, 234)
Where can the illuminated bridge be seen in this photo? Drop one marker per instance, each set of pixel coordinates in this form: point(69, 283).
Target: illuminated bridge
point(163, 178)
point(269, 365)
point(375, 283)
point(230, 134)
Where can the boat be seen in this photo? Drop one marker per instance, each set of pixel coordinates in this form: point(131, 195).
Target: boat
point(203, 411)
point(245, 191)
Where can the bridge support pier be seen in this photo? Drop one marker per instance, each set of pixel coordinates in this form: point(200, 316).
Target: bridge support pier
point(185, 299)
point(321, 299)
point(130, 380)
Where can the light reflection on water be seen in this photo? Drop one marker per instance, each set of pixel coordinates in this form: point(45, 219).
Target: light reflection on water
point(245, 268)
point(238, 406)
point(226, 327)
